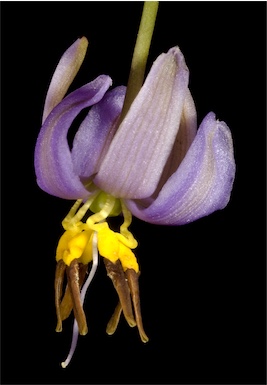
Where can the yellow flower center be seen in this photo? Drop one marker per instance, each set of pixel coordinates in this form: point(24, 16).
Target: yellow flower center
point(76, 241)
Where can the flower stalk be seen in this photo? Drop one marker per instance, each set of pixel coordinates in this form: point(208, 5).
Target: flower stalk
point(140, 54)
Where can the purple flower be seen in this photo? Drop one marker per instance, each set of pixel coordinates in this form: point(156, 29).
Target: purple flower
point(154, 164)
point(165, 170)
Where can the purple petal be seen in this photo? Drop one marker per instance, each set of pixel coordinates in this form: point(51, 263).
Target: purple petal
point(136, 157)
point(186, 135)
point(201, 185)
point(53, 162)
point(96, 132)
point(64, 74)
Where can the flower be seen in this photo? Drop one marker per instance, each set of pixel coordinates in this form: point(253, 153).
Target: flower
point(154, 164)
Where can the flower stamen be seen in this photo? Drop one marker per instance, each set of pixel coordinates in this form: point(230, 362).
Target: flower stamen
point(75, 333)
point(114, 320)
point(132, 279)
point(73, 282)
point(75, 216)
point(116, 274)
point(79, 245)
point(66, 303)
point(59, 279)
point(131, 241)
point(71, 214)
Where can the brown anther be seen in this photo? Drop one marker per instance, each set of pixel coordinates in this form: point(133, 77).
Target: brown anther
point(116, 273)
point(127, 287)
point(59, 279)
point(114, 320)
point(66, 303)
point(73, 283)
point(132, 278)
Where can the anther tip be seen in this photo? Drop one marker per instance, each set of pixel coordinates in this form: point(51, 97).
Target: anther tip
point(59, 328)
point(131, 323)
point(144, 339)
point(84, 331)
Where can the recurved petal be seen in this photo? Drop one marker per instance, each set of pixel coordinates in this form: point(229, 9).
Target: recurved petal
point(64, 74)
point(201, 185)
point(53, 163)
point(93, 138)
point(136, 157)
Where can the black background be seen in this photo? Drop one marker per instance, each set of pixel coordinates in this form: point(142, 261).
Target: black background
point(203, 284)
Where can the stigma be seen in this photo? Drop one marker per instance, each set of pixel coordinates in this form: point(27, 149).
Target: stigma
point(88, 235)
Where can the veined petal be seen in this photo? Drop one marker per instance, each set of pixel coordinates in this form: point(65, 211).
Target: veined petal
point(53, 162)
point(93, 138)
point(201, 185)
point(64, 74)
point(136, 157)
point(184, 138)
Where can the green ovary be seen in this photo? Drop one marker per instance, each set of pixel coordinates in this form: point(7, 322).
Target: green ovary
point(100, 201)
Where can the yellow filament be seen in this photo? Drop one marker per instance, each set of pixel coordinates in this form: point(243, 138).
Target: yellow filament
point(74, 216)
point(108, 244)
point(126, 236)
point(83, 210)
point(63, 243)
point(127, 258)
point(110, 247)
point(75, 244)
point(71, 214)
point(87, 255)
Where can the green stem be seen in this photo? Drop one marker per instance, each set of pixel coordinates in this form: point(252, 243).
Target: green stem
point(140, 54)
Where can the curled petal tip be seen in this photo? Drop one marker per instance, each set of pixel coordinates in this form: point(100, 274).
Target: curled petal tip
point(84, 43)
point(64, 74)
